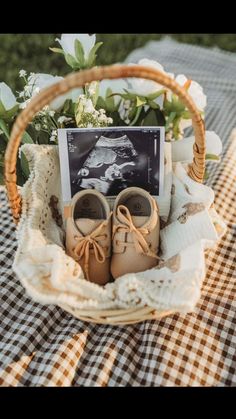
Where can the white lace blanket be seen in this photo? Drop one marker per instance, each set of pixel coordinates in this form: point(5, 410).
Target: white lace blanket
point(51, 277)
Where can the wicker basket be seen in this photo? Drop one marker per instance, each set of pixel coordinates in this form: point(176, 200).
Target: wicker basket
point(79, 79)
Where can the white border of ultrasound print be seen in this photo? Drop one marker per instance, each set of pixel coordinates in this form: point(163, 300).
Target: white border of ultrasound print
point(64, 156)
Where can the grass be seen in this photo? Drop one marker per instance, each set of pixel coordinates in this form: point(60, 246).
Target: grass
point(31, 52)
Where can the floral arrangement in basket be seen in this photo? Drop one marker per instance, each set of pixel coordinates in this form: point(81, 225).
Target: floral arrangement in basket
point(99, 104)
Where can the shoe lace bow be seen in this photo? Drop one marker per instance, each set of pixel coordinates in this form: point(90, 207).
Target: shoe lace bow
point(90, 242)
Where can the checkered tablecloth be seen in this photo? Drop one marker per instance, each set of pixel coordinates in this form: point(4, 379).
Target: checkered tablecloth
point(45, 346)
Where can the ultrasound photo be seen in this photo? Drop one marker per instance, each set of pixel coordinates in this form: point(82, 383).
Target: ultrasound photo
point(111, 159)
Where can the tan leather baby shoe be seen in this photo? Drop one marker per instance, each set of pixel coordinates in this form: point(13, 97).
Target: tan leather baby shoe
point(136, 229)
point(88, 235)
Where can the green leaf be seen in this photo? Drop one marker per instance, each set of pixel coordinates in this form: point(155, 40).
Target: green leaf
point(176, 130)
point(132, 112)
point(155, 95)
point(177, 104)
point(71, 61)
point(57, 50)
point(174, 106)
point(150, 119)
point(26, 139)
point(127, 96)
point(138, 113)
point(79, 53)
point(154, 118)
point(110, 101)
point(33, 133)
point(24, 165)
point(43, 137)
point(3, 144)
point(69, 108)
point(140, 101)
point(153, 104)
point(186, 115)
point(212, 157)
point(117, 121)
point(92, 55)
point(66, 106)
point(8, 115)
point(101, 103)
point(96, 94)
point(4, 128)
point(19, 173)
point(170, 119)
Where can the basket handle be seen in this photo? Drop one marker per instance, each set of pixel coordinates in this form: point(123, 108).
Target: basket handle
point(79, 79)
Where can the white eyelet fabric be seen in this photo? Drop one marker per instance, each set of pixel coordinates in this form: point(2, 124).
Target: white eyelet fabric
point(51, 277)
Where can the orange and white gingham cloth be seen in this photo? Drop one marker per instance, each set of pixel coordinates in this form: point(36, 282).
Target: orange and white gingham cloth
point(45, 346)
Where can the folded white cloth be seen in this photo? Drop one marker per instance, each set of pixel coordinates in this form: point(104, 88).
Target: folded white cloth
point(185, 190)
point(188, 229)
point(51, 277)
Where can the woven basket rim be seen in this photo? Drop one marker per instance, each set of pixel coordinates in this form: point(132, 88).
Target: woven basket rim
point(78, 79)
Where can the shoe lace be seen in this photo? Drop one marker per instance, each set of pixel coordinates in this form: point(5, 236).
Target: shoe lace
point(138, 233)
point(90, 242)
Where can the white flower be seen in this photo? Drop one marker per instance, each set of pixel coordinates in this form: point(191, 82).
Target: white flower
point(87, 115)
point(89, 108)
point(38, 127)
point(63, 119)
point(24, 104)
point(22, 73)
point(194, 90)
point(102, 118)
point(36, 90)
point(40, 81)
point(7, 98)
point(52, 138)
point(124, 109)
point(28, 90)
point(67, 43)
point(92, 88)
point(126, 104)
point(143, 87)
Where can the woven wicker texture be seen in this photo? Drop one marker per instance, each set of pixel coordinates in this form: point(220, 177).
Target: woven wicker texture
point(196, 169)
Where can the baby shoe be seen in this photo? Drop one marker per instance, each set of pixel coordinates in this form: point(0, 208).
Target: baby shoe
point(136, 230)
point(88, 234)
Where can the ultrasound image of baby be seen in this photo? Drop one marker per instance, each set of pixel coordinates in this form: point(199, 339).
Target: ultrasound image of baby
point(110, 160)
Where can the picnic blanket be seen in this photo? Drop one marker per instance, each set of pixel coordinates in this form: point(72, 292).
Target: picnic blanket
point(46, 346)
